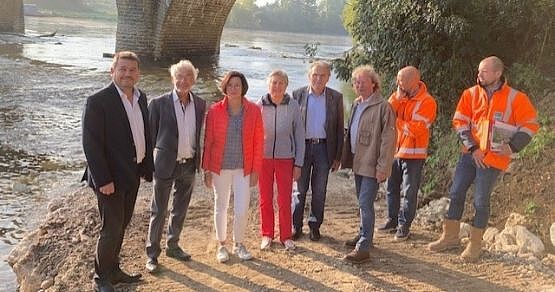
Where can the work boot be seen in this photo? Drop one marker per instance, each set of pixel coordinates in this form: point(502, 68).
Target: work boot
point(472, 251)
point(449, 238)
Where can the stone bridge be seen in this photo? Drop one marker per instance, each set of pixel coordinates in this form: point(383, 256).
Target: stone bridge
point(171, 29)
point(11, 16)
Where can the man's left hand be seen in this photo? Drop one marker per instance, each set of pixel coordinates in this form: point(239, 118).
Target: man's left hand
point(334, 165)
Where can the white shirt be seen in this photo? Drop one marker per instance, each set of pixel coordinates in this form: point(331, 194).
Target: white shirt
point(136, 123)
point(186, 126)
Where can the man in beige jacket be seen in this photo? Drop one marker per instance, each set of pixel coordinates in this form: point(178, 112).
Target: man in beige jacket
point(368, 150)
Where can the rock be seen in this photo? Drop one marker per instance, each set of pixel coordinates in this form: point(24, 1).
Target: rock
point(431, 215)
point(489, 235)
point(464, 230)
point(552, 233)
point(516, 219)
point(47, 283)
point(528, 241)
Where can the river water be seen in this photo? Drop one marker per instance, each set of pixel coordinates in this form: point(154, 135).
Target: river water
point(43, 86)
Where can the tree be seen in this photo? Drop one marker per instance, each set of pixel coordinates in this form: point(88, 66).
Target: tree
point(447, 38)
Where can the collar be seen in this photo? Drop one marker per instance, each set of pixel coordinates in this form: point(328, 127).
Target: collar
point(310, 91)
point(267, 100)
point(175, 97)
point(136, 93)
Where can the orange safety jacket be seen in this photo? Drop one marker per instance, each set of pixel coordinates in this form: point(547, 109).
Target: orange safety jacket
point(414, 117)
point(507, 109)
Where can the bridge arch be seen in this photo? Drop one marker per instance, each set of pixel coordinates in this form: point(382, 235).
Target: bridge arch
point(171, 29)
point(11, 16)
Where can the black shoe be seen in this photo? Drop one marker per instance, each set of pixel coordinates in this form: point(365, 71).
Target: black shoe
point(314, 234)
point(122, 277)
point(388, 227)
point(103, 286)
point(177, 253)
point(152, 265)
point(402, 233)
point(353, 241)
point(297, 234)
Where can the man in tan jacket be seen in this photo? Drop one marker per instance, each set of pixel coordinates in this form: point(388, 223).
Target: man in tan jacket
point(368, 150)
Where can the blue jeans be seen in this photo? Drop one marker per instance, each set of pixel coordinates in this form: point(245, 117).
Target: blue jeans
point(314, 172)
point(402, 190)
point(366, 188)
point(484, 180)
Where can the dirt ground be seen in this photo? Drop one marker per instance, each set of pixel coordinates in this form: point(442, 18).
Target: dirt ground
point(65, 244)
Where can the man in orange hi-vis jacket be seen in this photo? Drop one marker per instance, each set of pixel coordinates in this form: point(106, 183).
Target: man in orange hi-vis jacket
point(493, 121)
point(416, 111)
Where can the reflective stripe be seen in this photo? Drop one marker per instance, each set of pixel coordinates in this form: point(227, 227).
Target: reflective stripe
point(405, 150)
point(417, 117)
point(406, 129)
point(459, 116)
point(509, 105)
point(462, 129)
point(527, 131)
point(416, 107)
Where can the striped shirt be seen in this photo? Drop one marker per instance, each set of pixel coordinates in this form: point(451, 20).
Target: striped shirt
point(233, 148)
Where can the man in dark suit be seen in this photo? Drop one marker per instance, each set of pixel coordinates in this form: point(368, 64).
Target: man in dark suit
point(322, 115)
point(176, 120)
point(118, 149)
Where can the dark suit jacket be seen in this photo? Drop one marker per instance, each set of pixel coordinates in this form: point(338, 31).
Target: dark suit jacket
point(165, 135)
point(334, 119)
point(108, 141)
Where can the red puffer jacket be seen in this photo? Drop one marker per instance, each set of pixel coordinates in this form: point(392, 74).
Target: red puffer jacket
point(215, 135)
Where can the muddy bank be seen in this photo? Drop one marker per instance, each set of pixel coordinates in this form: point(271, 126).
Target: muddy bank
point(59, 255)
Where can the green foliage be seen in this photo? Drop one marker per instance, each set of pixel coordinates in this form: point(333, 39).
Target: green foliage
point(311, 49)
point(528, 78)
point(444, 152)
point(544, 138)
point(530, 208)
point(446, 39)
point(320, 16)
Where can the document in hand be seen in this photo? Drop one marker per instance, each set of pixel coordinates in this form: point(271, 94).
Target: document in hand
point(501, 133)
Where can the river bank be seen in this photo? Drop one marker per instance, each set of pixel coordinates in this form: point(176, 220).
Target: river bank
point(59, 254)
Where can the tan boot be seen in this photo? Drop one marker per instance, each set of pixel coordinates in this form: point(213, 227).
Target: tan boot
point(472, 251)
point(449, 238)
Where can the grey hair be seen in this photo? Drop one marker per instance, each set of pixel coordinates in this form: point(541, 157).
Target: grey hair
point(371, 73)
point(184, 64)
point(279, 73)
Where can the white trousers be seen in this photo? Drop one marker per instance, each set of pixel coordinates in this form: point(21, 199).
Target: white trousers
point(224, 183)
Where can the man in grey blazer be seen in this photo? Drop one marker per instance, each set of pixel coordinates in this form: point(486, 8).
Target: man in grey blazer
point(176, 120)
point(322, 115)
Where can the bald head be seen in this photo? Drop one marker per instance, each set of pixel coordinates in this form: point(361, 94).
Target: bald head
point(408, 80)
point(490, 71)
point(494, 63)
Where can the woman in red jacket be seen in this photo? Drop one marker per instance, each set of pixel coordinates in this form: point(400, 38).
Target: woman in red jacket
point(232, 159)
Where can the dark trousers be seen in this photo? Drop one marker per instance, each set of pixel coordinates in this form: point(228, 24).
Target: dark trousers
point(182, 179)
point(314, 173)
point(115, 213)
point(402, 190)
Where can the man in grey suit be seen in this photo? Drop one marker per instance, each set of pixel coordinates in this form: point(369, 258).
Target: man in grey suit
point(322, 115)
point(176, 120)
